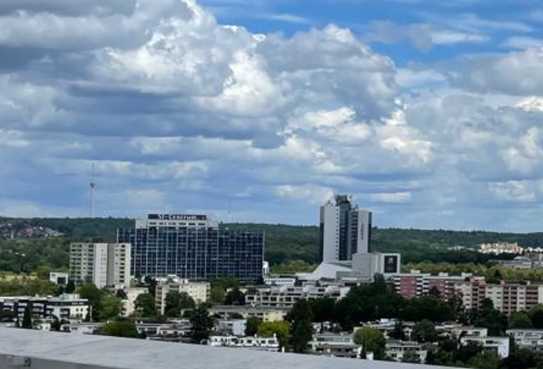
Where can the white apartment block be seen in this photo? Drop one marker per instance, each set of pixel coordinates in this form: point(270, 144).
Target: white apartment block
point(397, 350)
point(199, 291)
point(287, 296)
point(266, 314)
point(67, 306)
point(497, 345)
point(104, 264)
point(531, 339)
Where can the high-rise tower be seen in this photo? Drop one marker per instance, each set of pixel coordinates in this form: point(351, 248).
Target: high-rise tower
point(344, 229)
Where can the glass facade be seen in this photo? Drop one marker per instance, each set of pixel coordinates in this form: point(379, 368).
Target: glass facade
point(193, 251)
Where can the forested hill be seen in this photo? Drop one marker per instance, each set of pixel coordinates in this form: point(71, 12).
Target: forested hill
point(287, 243)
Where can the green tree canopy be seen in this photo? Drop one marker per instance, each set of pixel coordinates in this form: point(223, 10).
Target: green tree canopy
point(234, 297)
point(145, 305)
point(300, 318)
point(202, 323)
point(120, 328)
point(175, 302)
point(281, 329)
point(424, 331)
point(520, 320)
point(252, 325)
point(371, 340)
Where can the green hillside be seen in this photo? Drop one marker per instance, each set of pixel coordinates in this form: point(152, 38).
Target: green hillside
point(284, 243)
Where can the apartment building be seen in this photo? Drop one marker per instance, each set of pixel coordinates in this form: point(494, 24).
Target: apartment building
point(506, 297)
point(64, 307)
point(104, 264)
point(531, 339)
point(287, 296)
point(198, 291)
point(265, 314)
point(399, 350)
point(335, 345)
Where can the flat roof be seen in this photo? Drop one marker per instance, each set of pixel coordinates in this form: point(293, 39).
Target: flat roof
point(121, 353)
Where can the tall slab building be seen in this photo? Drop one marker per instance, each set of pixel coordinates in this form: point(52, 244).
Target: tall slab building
point(344, 230)
point(104, 264)
point(193, 247)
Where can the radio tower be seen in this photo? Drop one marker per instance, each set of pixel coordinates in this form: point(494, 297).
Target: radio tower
point(92, 192)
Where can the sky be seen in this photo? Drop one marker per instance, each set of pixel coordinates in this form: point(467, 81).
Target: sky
point(429, 113)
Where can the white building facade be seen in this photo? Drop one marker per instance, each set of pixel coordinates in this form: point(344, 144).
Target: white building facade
point(104, 264)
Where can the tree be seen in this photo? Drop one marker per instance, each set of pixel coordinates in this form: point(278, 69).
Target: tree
point(323, 309)
point(145, 305)
point(234, 297)
point(42, 272)
point(251, 327)
point(467, 352)
point(120, 328)
point(90, 292)
point(175, 302)
point(121, 294)
point(151, 284)
point(280, 329)
point(536, 315)
point(56, 324)
point(216, 295)
point(398, 332)
point(519, 320)
point(110, 307)
point(411, 357)
point(434, 292)
point(300, 318)
point(202, 324)
point(485, 360)
point(70, 287)
point(27, 317)
point(490, 318)
point(424, 331)
point(371, 340)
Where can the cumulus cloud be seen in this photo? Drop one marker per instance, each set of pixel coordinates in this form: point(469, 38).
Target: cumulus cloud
point(178, 111)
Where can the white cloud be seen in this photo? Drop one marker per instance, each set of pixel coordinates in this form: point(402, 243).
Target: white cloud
point(513, 191)
point(391, 198)
point(315, 195)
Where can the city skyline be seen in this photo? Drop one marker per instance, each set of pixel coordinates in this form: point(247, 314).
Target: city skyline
point(261, 111)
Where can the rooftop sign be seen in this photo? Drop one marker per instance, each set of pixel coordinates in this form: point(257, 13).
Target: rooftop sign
point(186, 217)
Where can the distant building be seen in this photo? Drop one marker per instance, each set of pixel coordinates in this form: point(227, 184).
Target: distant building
point(287, 296)
point(59, 278)
point(231, 327)
point(335, 345)
point(198, 291)
point(252, 343)
point(367, 265)
point(500, 248)
point(193, 247)
point(266, 314)
point(496, 345)
point(506, 297)
point(64, 307)
point(344, 230)
point(531, 339)
point(400, 350)
point(104, 264)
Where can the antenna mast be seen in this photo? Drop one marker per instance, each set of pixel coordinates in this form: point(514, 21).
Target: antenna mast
point(92, 185)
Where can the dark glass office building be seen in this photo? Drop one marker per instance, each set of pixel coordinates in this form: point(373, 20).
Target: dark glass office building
point(193, 247)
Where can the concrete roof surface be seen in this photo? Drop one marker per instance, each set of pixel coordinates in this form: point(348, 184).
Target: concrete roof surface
point(111, 352)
